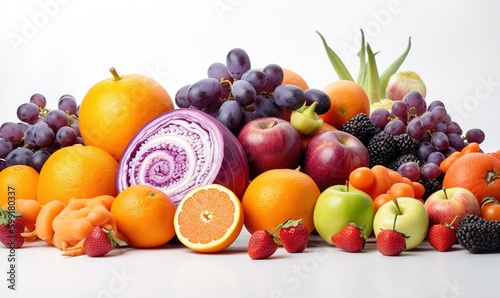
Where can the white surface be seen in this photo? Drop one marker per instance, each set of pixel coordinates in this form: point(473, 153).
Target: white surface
point(73, 44)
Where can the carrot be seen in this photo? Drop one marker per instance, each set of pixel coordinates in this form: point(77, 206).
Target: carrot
point(471, 147)
point(43, 225)
point(446, 163)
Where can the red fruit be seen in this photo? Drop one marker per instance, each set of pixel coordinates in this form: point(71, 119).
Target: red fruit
point(294, 236)
point(100, 241)
point(11, 226)
point(443, 236)
point(262, 245)
point(391, 242)
point(350, 239)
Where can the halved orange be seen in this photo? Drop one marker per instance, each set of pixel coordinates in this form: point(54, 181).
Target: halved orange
point(209, 218)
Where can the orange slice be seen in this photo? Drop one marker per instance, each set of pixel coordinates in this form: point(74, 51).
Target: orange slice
point(209, 218)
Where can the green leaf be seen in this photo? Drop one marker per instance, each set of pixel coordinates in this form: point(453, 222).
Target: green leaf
point(362, 61)
point(336, 62)
point(386, 75)
point(373, 81)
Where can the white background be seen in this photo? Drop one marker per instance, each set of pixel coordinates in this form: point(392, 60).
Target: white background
point(57, 47)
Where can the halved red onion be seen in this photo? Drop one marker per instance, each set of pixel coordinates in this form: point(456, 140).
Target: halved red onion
point(182, 149)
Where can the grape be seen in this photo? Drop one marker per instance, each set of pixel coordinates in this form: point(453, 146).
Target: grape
point(456, 141)
point(475, 135)
point(243, 92)
point(274, 77)
point(237, 62)
point(41, 119)
point(204, 92)
point(415, 129)
point(213, 109)
point(67, 103)
point(247, 116)
point(440, 127)
point(429, 120)
point(57, 119)
point(289, 96)
point(219, 72)
point(399, 109)
point(28, 112)
point(44, 135)
point(436, 157)
point(410, 170)
point(3, 164)
point(380, 117)
point(453, 127)
point(434, 104)
point(395, 127)
point(5, 147)
point(11, 132)
point(440, 113)
point(79, 140)
point(230, 115)
point(29, 138)
point(429, 171)
point(256, 77)
point(19, 156)
point(38, 159)
point(449, 151)
point(181, 99)
point(66, 136)
point(424, 150)
point(416, 103)
point(439, 141)
point(23, 126)
point(447, 119)
point(75, 124)
point(265, 107)
point(54, 147)
point(225, 92)
point(322, 100)
point(39, 100)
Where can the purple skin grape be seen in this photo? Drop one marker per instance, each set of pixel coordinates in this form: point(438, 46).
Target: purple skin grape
point(19, 156)
point(380, 117)
point(3, 164)
point(237, 63)
point(181, 99)
point(429, 120)
point(289, 97)
point(75, 124)
point(80, 141)
point(243, 92)
point(66, 136)
point(67, 103)
point(256, 77)
point(440, 113)
point(219, 72)
point(395, 127)
point(204, 92)
point(456, 141)
point(265, 107)
point(434, 104)
point(399, 109)
point(447, 119)
point(43, 134)
point(410, 170)
point(424, 150)
point(416, 103)
point(321, 99)
point(274, 77)
point(440, 127)
point(39, 100)
point(440, 141)
point(475, 135)
point(436, 157)
point(453, 127)
point(430, 171)
point(38, 159)
point(415, 129)
point(28, 112)
point(247, 116)
point(29, 138)
point(11, 132)
point(57, 119)
point(5, 147)
point(230, 115)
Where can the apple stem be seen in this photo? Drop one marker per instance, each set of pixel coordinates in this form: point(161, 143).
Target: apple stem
point(347, 185)
point(115, 74)
point(272, 124)
point(445, 194)
point(394, 223)
point(397, 205)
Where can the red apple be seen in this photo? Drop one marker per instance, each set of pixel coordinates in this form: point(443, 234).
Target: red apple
point(444, 204)
point(270, 143)
point(330, 157)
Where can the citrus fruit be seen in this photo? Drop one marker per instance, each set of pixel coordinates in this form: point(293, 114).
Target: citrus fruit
point(144, 215)
point(209, 218)
point(18, 182)
point(277, 195)
point(347, 99)
point(77, 172)
point(114, 110)
point(477, 172)
point(293, 78)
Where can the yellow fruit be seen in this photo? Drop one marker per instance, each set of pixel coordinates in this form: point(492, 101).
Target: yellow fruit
point(18, 182)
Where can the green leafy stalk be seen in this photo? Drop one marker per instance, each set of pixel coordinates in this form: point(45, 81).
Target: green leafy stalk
point(336, 62)
point(362, 61)
point(386, 75)
point(373, 83)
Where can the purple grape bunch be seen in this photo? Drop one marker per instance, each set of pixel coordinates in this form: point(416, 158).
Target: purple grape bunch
point(39, 132)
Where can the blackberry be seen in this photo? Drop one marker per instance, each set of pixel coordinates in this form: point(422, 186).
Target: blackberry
point(401, 159)
point(406, 144)
point(431, 186)
point(479, 235)
point(362, 127)
point(382, 149)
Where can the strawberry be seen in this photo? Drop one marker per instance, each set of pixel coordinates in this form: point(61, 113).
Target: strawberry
point(391, 242)
point(11, 226)
point(262, 244)
point(294, 235)
point(100, 241)
point(350, 239)
point(443, 236)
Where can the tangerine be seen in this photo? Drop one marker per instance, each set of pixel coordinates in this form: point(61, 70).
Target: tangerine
point(293, 78)
point(18, 182)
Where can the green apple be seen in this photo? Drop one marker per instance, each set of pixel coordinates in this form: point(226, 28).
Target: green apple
point(338, 206)
point(412, 220)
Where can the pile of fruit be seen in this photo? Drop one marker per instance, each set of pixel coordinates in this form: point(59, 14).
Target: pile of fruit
point(248, 147)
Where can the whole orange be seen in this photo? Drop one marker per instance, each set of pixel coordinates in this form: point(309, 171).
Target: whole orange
point(477, 172)
point(347, 100)
point(293, 78)
point(18, 182)
point(115, 109)
point(145, 215)
point(277, 195)
point(77, 172)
